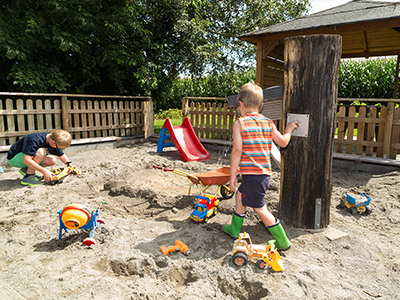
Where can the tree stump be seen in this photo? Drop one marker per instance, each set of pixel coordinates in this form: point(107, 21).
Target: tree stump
point(311, 88)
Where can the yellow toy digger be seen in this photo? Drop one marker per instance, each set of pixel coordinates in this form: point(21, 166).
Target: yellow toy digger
point(262, 255)
point(60, 175)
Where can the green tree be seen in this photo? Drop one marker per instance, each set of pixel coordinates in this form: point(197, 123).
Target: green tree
point(125, 46)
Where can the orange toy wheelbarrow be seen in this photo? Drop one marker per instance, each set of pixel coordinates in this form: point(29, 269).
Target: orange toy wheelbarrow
point(218, 177)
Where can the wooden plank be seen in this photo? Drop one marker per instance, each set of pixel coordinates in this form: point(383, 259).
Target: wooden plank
point(40, 116)
point(103, 117)
point(20, 118)
point(341, 129)
point(121, 118)
point(360, 130)
point(127, 117)
point(202, 125)
point(350, 130)
point(110, 118)
point(388, 130)
point(30, 118)
point(64, 113)
point(97, 117)
point(395, 146)
point(213, 123)
point(371, 131)
point(89, 104)
point(77, 123)
point(380, 134)
point(10, 121)
point(116, 119)
point(57, 117)
point(83, 115)
point(134, 118)
point(48, 117)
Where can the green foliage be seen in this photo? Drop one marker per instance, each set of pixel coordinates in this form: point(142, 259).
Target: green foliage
point(371, 78)
point(172, 113)
point(129, 47)
point(222, 85)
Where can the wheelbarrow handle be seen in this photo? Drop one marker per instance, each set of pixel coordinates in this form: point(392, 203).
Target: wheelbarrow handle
point(162, 168)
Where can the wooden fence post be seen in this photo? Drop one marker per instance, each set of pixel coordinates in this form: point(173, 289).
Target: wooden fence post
point(388, 131)
point(310, 94)
point(148, 114)
point(64, 113)
point(185, 107)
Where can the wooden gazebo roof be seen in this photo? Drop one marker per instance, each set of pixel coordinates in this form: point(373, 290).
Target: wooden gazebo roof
point(368, 28)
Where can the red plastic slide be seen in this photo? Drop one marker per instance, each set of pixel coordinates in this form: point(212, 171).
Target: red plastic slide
point(184, 139)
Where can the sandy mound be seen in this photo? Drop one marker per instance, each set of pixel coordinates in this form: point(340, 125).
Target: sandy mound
point(147, 208)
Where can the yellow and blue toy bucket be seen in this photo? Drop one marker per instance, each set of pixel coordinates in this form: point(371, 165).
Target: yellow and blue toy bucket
point(74, 216)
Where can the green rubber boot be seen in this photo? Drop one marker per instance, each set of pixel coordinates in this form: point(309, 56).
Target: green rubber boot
point(281, 241)
point(234, 228)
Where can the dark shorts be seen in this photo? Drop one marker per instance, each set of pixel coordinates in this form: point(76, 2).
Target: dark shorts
point(253, 189)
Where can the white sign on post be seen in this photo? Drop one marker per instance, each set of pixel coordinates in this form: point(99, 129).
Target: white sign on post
point(303, 120)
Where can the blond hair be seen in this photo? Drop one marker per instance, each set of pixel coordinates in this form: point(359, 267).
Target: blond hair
point(251, 95)
point(62, 138)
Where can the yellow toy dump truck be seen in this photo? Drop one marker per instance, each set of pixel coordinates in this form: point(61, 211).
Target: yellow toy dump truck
point(357, 203)
point(262, 255)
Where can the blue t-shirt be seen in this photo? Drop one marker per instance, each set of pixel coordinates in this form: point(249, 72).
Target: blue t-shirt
point(30, 144)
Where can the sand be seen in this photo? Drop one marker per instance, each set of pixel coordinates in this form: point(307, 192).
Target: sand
point(356, 257)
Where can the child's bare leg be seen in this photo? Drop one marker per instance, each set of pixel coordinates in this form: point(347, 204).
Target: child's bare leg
point(240, 208)
point(42, 160)
point(274, 227)
point(265, 215)
point(234, 228)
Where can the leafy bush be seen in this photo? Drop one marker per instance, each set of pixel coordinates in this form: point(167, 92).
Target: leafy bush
point(172, 113)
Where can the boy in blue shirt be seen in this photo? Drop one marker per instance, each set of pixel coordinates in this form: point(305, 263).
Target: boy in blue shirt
point(30, 154)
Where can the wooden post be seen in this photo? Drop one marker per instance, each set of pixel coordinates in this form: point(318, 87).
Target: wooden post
point(311, 87)
point(64, 113)
point(148, 112)
point(185, 107)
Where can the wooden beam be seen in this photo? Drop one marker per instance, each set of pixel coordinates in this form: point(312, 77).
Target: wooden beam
point(260, 66)
point(365, 41)
point(268, 47)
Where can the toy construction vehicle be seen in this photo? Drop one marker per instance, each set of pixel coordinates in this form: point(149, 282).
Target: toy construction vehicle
point(205, 209)
point(262, 255)
point(60, 175)
point(178, 247)
point(357, 203)
point(77, 216)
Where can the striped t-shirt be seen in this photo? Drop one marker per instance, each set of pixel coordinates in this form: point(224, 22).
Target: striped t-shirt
point(257, 143)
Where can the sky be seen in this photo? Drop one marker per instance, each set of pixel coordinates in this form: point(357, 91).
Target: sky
point(318, 5)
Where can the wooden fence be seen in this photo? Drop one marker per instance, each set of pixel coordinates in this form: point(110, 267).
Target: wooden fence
point(211, 117)
point(85, 116)
point(366, 130)
point(369, 130)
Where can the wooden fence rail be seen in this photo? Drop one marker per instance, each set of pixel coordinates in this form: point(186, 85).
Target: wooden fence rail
point(85, 116)
point(366, 130)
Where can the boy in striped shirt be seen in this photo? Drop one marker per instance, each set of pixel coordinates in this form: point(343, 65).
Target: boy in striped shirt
point(253, 135)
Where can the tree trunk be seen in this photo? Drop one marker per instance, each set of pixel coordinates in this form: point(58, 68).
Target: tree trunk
point(311, 87)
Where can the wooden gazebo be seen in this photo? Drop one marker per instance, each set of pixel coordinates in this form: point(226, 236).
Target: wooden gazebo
point(368, 28)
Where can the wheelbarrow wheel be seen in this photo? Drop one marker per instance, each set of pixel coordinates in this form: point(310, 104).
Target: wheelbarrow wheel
point(226, 192)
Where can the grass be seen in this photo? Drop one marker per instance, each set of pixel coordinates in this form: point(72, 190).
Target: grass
point(158, 124)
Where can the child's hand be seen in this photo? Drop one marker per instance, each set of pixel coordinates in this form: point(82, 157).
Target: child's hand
point(47, 175)
point(233, 184)
point(292, 126)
